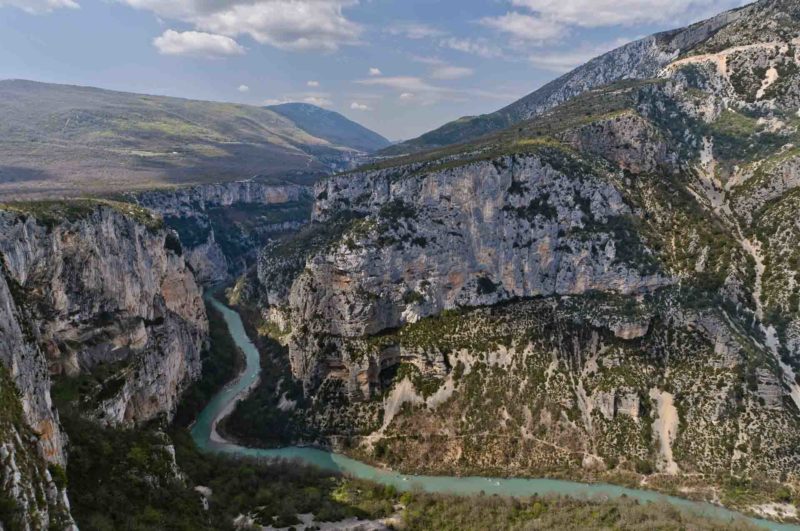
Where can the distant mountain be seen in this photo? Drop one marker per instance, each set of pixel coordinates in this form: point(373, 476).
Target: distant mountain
point(61, 140)
point(640, 59)
point(331, 126)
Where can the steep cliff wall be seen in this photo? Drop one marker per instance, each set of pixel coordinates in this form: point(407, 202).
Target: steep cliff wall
point(612, 285)
point(102, 289)
point(221, 225)
point(32, 491)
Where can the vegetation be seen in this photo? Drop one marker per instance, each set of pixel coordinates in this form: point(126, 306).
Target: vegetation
point(79, 140)
point(257, 420)
point(54, 212)
point(222, 361)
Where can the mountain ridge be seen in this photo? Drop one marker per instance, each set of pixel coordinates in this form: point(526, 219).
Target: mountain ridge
point(69, 140)
point(649, 54)
point(331, 126)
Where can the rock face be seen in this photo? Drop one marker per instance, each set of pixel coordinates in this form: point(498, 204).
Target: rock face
point(28, 369)
point(615, 280)
point(641, 59)
point(32, 498)
point(103, 289)
point(204, 236)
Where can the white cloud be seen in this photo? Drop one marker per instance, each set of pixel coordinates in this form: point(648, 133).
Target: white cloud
point(243, 88)
point(360, 106)
point(479, 47)
point(287, 24)
point(275, 101)
point(414, 88)
point(319, 101)
point(375, 71)
point(404, 83)
point(39, 7)
point(415, 30)
point(440, 69)
point(312, 83)
point(451, 72)
point(196, 43)
point(525, 27)
point(597, 13)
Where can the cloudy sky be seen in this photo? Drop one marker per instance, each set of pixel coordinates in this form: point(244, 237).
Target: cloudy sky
point(400, 67)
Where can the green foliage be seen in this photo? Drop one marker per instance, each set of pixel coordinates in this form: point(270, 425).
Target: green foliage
point(396, 210)
point(54, 212)
point(172, 243)
point(89, 389)
point(222, 361)
point(446, 513)
point(257, 419)
point(190, 230)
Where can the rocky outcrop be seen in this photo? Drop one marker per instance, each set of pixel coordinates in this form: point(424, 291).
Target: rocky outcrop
point(187, 210)
point(105, 289)
point(187, 201)
point(641, 59)
point(31, 498)
point(476, 234)
point(28, 369)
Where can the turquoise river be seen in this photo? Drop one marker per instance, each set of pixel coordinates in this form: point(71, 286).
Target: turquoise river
point(204, 435)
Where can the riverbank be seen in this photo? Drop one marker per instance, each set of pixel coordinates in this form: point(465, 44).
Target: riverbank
point(515, 487)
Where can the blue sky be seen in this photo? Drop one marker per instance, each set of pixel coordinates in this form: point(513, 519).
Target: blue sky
point(400, 67)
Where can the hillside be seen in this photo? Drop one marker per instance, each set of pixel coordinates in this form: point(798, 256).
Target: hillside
point(59, 140)
point(641, 59)
point(607, 290)
point(331, 126)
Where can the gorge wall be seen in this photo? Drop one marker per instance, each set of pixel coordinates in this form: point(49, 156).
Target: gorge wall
point(610, 287)
point(217, 242)
point(95, 293)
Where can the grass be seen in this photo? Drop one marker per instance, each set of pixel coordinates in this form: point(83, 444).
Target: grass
point(54, 212)
point(63, 141)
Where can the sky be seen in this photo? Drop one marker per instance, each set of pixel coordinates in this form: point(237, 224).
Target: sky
point(399, 67)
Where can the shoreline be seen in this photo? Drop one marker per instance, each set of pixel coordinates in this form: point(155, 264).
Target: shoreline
point(341, 462)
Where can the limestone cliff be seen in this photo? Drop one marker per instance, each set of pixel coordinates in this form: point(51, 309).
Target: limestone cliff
point(611, 283)
point(102, 289)
point(221, 225)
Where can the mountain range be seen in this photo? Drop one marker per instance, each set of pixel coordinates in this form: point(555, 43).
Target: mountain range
point(599, 282)
point(62, 141)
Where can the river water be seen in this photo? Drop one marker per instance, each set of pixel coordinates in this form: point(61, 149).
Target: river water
point(204, 436)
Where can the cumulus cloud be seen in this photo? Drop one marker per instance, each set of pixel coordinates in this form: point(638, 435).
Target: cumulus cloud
point(40, 7)
point(312, 83)
point(407, 96)
point(525, 27)
point(375, 71)
point(360, 106)
point(243, 88)
point(597, 13)
point(286, 24)
point(196, 43)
